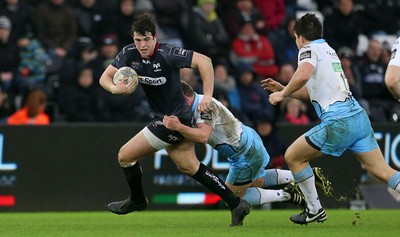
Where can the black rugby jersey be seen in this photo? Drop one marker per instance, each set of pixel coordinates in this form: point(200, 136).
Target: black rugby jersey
point(159, 76)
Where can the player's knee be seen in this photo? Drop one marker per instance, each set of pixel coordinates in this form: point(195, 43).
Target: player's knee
point(124, 157)
point(288, 157)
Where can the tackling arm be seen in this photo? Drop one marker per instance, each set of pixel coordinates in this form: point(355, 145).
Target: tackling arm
point(200, 134)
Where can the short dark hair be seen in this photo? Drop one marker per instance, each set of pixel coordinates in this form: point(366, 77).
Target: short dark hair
point(308, 26)
point(187, 89)
point(143, 24)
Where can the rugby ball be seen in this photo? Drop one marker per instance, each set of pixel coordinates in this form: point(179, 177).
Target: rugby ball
point(125, 74)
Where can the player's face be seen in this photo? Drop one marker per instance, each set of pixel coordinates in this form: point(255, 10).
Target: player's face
point(145, 43)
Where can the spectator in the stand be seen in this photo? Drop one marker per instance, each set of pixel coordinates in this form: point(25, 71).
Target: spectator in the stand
point(273, 12)
point(243, 10)
point(189, 76)
point(9, 58)
point(33, 112)
point(20, 15)
point(85, 53)
point(224, 83)
point(172, 17)
point(250, 49)
point(57, 31)
point(346, 56)
point(253, 99)
point(108, 49)
point(168, 36)
point(326, 6)
point(386, 53)
point(380, 17)
point(90, 18)
point(284, 44)
point(120, 22)
point(32, 66)
point(294, 111)
point(207, 34)
point(80, 102)
point(272, 140)
point(286, 72)
point(223, 98)
point(370, 72)
point(5, 107)
point(342, 27)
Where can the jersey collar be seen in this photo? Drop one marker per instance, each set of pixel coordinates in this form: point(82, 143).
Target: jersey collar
point(195, 101)
point(155, 49)
point(317, 41)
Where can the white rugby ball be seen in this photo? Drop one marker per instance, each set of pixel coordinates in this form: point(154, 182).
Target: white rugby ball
point(126, 74)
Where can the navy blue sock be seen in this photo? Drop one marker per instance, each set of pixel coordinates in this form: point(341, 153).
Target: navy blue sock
point(207, 177)
point(134, 176)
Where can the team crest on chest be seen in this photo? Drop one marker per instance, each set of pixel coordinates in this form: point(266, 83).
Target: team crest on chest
point(157, 67)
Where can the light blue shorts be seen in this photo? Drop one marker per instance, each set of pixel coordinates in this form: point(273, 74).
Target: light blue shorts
point(248, 164)
point(336, 136)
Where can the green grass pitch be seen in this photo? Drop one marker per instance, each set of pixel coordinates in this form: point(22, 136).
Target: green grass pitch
point(197, 223)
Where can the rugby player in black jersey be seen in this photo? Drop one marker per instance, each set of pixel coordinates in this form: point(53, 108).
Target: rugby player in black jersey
point(158, 65)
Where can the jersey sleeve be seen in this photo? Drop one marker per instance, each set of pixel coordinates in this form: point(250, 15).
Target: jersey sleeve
point(306, 54)
point(179, 57)
point(122, 57)
point(209, 117)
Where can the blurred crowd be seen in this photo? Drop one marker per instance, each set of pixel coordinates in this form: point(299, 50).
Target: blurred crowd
point(54, 51)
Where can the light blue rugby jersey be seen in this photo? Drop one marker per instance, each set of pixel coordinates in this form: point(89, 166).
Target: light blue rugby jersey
point(328, 87)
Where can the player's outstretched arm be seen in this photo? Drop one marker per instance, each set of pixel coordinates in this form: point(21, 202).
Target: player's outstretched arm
point(271, 85)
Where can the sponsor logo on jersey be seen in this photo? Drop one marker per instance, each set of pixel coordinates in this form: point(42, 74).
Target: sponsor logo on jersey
point(145, 61)
point(179, 52)
point(206, 116)
point(305, 54)
point(153, 81)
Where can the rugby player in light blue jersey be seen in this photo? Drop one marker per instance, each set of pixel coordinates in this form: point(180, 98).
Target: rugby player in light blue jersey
point(344, 125)
point(245, 151)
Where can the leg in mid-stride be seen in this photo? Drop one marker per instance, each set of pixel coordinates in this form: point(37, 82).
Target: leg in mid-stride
point(297, 157)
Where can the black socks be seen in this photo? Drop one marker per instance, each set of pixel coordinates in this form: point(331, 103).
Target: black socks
point(133, 175)
point(207, 177)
